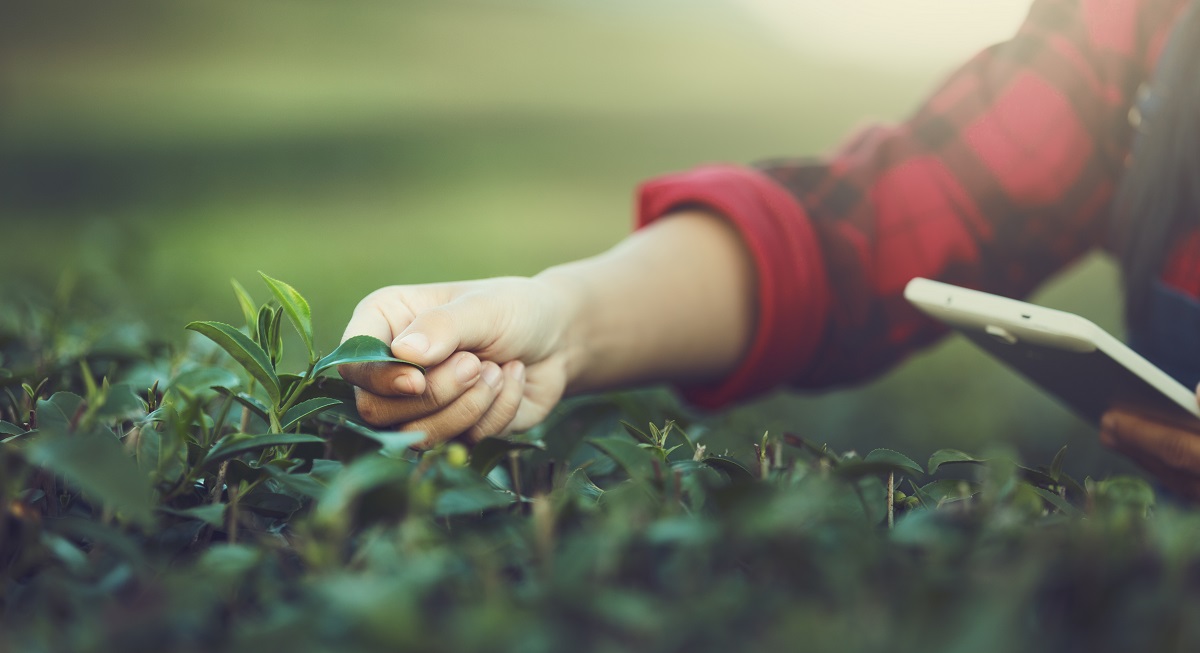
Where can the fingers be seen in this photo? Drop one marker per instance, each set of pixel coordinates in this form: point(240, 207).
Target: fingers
point(1150, 442)
point(378, 317)
point(502, 411)
point(467, 323)
point(462, 413)
point(385, 379)
point(443, 385)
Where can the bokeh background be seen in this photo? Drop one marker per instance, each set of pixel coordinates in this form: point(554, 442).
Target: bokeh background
point(151, 151)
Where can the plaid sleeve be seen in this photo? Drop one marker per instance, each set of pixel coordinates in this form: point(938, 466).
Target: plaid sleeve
point(998, 181)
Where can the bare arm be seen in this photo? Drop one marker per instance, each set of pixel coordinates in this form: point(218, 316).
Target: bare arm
point(672, 302)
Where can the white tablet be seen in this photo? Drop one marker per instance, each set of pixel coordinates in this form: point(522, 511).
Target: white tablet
point(1067, 355)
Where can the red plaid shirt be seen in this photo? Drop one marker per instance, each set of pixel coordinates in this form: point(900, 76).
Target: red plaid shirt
point(1002, 178)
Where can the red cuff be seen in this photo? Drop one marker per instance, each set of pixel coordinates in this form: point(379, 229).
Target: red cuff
point(793, 295)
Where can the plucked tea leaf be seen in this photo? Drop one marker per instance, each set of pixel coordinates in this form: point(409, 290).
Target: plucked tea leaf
point(305, 409)
point(99, 466)
point(948, 456)
point(490, 451)
point(296, 307)
point(248, 354)
point(360, 349)
point(240, 443)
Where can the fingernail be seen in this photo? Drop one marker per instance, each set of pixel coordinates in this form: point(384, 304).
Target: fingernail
point(406, 384)
point(517, 371)
point(491, 375)
point(467, 369)
point(1109, 423)
point(417, 343)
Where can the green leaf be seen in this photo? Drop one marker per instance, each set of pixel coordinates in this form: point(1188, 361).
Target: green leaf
point(356, 479)
point(240, 443)
point(247, 304)
point(490, 451)
point(879, 461)
point(249, 355)
point(360, 349)
point(274, 343)
point(637, 462)
point(578, 484)
point(305, 409)
point(269, 504)
point(469, 500)
point(262, 334)
point(211, 514)
point(246, 400)
point(948, 456)
point(122, 403)
point(637, 433)
point(730, 467)
point(50, 417)
point(1058, 502)
point(946, 489)
point(99, 466)
point(302, 484)
point(297, 311)
point(899, 460)
point(197, 381)
point(1057, 464)
point(7, 428)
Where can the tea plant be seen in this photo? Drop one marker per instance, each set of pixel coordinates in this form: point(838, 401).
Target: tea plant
point(155, 498)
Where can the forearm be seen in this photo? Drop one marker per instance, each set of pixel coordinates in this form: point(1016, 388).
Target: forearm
point(674, 301)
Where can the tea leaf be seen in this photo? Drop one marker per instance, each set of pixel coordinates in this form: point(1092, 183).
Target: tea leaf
point(10, 429)
point(469, 500)
point(305, 409)
point(296, 307)
point(490, 451)
point(360, 349)
point(211, 514)
point(637, 463)
point(730, 467)
point(100, 467)
point(247, 304)
point(248, 354)
point(1057, 464)
point(240, 443)
point(1059, 502)
point(246, 400)
point(947, 456)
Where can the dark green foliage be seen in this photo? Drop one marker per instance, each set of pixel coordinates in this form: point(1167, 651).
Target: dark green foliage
point(142, 509)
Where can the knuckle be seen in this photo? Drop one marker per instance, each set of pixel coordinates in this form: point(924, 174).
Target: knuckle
point(372, 410)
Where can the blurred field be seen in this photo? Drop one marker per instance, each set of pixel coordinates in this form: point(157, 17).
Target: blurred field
point(155, 151)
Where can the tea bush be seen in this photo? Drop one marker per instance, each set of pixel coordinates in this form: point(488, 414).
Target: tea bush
point(157, 497)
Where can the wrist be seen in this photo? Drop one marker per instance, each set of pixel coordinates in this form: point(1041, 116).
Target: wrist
point(568, 292)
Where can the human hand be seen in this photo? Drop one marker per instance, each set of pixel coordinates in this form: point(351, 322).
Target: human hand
point(1166, 448)
point(494, 352)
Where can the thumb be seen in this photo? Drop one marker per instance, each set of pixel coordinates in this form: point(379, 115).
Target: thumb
point(463, 324)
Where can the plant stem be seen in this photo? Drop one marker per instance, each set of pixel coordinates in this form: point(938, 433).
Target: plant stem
point(891, 495)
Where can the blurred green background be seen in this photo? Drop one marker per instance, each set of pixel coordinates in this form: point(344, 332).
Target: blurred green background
point(150, 152)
